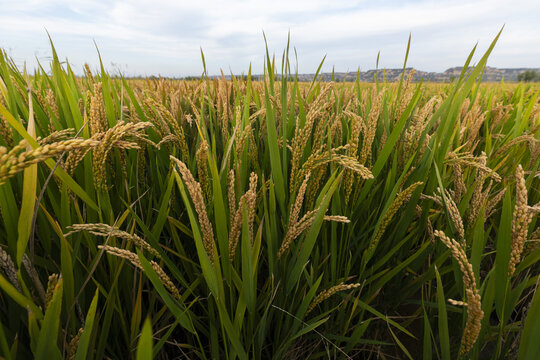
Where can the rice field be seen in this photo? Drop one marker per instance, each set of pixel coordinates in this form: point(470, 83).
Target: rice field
point(244, 219)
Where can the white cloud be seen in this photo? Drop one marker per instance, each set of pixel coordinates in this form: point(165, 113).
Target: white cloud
point(164, 36)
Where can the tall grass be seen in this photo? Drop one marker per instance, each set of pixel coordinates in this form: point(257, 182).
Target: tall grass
point(274, 219)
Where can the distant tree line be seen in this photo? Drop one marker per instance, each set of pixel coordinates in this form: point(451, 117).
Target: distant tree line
point(528, 76)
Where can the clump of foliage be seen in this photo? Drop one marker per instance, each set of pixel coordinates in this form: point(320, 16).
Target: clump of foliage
point(267, 219)
point(528, 76)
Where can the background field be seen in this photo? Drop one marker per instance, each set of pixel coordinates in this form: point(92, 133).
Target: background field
point(273, 219)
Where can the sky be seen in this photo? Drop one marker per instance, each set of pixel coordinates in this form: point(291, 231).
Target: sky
point(165, 37)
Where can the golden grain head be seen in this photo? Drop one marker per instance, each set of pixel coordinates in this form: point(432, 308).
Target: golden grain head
point(474, 303)
point(520, 222)
point(196, 194)
point(328, 293)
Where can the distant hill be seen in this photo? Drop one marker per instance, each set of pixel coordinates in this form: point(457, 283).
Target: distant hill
point(490, 74)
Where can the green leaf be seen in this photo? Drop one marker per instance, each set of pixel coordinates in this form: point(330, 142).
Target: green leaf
point(6, 352)
point(400, 344)
point(67, 273)
point(503, 246)
point(163, 209)
point(384, 318)
point(47, 346)
point(84, 340)
point(444, 336)
point(277, 173)
point(427, 345)
point(19, 298)
point(529, 347)
point(181, 314)
point(309, 327)
point(144, 348)
point(29, 195)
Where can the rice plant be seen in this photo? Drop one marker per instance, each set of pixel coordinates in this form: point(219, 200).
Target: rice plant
point(272, 219)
